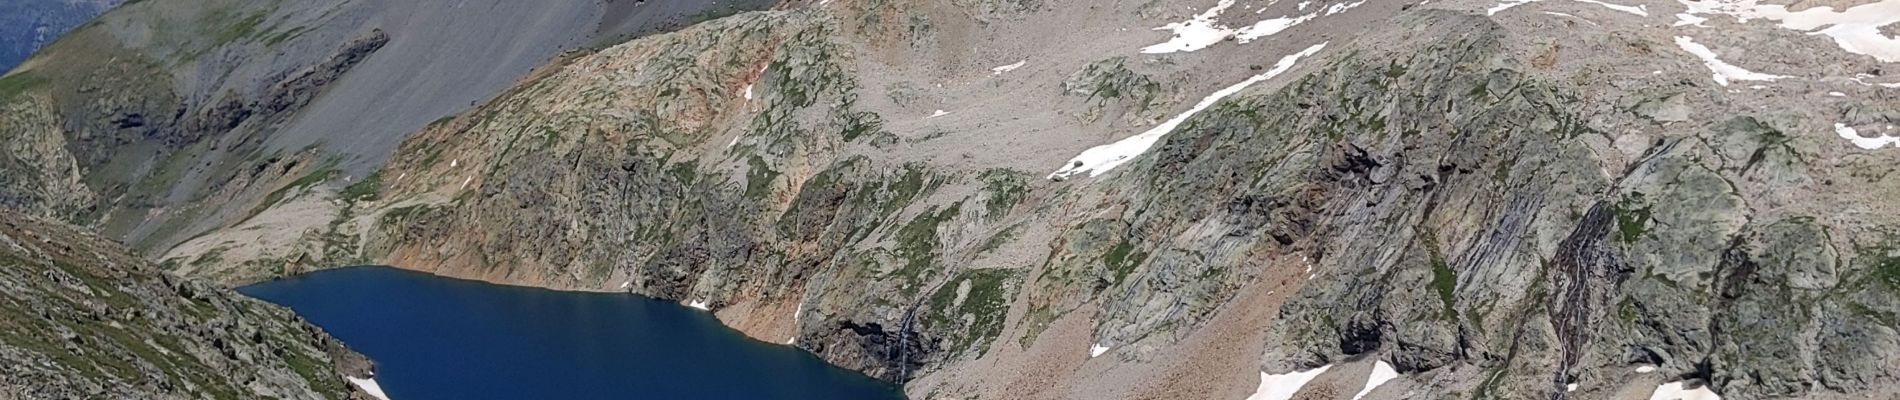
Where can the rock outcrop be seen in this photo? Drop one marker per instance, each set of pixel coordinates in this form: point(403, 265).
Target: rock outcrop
point(1456, 216)
point(1487, 200)
point(85, 318)
point(180, 118)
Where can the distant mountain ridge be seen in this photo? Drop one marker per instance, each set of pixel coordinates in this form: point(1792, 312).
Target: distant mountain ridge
point(28, 25)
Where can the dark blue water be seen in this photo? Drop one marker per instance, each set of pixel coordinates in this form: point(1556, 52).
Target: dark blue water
point(440, 338)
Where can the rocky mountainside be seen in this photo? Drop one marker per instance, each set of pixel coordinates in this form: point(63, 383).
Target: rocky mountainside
point(1131, 199)
point(166, 119)
point(28, 25)
point(86, 319)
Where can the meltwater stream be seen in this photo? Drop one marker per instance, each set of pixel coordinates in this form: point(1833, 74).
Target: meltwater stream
point(441, 338)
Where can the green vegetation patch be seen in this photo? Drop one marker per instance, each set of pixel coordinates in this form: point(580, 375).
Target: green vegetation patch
point(712, 13)
point(316, 176)
point(1632, 217)
point(368, 189)
point(1863, 311)
point(16, 84)
point(284, 36)
point(1884, 266)
point(981, 312)
point(210, 257)
point(758, 180)
point(1034, 323)
point(684, 173)
point(1006, 189)
point(1111, 79)
point(1122, 260)
point(858, 124)
point(407, 213)
point(1444, 280)
point(242, 28)
point(1768, 139)
point(917, 243)
point(894, 195)
point(997, 240)
point(432, 157)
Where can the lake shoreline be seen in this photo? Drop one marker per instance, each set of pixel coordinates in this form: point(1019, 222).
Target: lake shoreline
point(373, 308)
point(739, 316)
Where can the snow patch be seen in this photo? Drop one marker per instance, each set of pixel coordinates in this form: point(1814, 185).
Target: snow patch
point(938, 113)
point(1640, 10)
point(1570, 387)
point(1855, 29)
point(1506, 5)
point(1686, 19)
point(1724, 72)
point(1283, 386)
point(369, 386)
point(1676, 391)
point(465, 182)
point(1381, 372)
point(1006, 68)
point(1837, 94)
point(699, 304)
point(755, 80)
point(1272, 26)
point(1268, 27)
point(1195, 33)
point(1863, 142)
point(1862, 80)
point(1100, 159)
point(1645, 369)
point(1096, 350)
point(1342, 7)
point(1204, 30)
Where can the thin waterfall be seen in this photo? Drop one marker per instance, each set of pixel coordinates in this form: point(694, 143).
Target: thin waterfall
point(903, 344)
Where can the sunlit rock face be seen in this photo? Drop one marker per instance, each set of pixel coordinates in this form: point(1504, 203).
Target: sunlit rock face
point(88, 319)
point(1516, 199)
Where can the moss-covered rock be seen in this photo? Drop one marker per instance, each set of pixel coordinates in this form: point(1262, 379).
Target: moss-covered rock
point(86, 318)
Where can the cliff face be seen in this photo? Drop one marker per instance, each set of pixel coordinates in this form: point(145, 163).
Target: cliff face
point(1485, 200)
point(164, 120)
point(87, 319)
point(1435, 196)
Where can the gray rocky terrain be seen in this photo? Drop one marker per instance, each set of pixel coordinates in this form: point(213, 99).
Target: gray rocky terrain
point(87, 319)
point(182, 117)
point(1107, 199)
